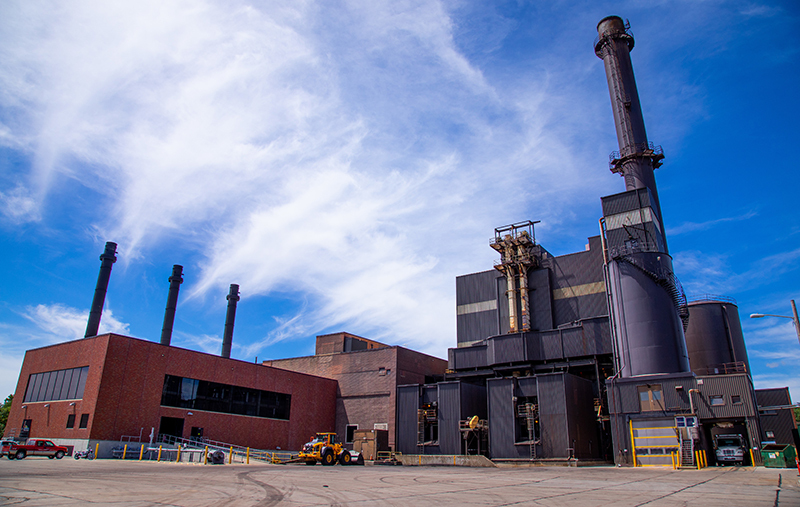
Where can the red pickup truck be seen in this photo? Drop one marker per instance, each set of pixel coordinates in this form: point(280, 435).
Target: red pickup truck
point(36, 447)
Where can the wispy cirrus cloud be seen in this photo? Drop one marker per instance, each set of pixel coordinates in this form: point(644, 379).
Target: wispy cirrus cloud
point(702, 226)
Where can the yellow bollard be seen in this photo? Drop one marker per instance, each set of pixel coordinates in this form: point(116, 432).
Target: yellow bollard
point(752, 458)
point(672, 457)
point(230, 456)
point(97, 449)
point(205, 456)
point(633, 443)
point(178, 459)
point(454, 459)
point(248, 455)
point(124, 451)
point(697, 458)
point(141, 452)
point(159, 454)
point(705, 459)
point(420, 459)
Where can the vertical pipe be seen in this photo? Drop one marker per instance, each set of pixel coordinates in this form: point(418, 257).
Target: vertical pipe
point(511, 292)
point(175, 282)
point(525, 316)
point(227, 338)
point(108, 258)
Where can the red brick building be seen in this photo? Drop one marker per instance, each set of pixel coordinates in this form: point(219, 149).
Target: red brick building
point(368, 373)
point(100, 389)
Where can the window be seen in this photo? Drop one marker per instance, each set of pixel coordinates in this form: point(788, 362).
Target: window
point(650, 398)
point(71, 421)
point(56, 385)
point(736, 399)
point(349, 434)
point(84, 421)
point(215, 397)
point(716, 400)
point(770, 434)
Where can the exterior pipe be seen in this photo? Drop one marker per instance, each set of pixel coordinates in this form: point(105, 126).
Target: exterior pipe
point(175, 282)
point(227, 338)
point(108, 259)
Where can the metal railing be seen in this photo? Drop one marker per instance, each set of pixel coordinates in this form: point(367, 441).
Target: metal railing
point(645, 149)
point(711, 298)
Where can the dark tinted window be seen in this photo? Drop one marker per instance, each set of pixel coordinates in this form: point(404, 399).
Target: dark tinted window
point(71, 421)
point(215, 397)
point(84, 421)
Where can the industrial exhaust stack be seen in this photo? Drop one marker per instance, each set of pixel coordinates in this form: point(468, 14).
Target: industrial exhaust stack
point(108, 259)
point(227, 338)
point(647, 304)
point(175, 282)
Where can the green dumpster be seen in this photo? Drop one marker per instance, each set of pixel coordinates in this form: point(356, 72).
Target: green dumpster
point(778, 455)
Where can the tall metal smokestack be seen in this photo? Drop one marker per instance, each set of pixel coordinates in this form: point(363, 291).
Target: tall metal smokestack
point(647, 304)
point(175, 282)
point(108, 259)
point(227, 338)
point(637, 157)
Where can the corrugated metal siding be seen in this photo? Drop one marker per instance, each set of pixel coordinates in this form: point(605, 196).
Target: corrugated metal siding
point(533, 347)
point(551, 345)
point(472, 327)
point(430, 395)
point(725, 386)
point(501, 418)
point(468, 357)
point(506, 349)
point(781, 423)
point(773, 397)
point(541, 310)
point(553, 416)
point(477, 287)
point(406, 427)
point(502, 305)
point(527, 386)
point(449, 414)
point(626, 201)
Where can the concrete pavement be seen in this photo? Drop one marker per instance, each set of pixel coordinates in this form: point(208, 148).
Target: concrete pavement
point(42, 482)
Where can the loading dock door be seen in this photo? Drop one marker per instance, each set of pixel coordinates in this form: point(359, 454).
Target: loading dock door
point(654, 441)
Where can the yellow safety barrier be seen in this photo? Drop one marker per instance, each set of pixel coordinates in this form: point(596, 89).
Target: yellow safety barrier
point(124, 451)
point(248, 455)
point(178, 459)
point(205, 456)
point(96, 450)
point(633, 445)
point(230, 456)
point(672, 456)
point(752, 459)
point(159, 454)
point(141, 452)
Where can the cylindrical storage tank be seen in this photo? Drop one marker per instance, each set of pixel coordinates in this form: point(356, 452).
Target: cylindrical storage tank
point(714, 337)
point(649, 332)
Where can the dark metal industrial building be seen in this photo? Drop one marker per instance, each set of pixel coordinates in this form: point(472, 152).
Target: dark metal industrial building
point(596, 354)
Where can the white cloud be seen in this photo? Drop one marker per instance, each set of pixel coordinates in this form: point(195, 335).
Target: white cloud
point(702, 226)
point(62, 323)
point(19, 206)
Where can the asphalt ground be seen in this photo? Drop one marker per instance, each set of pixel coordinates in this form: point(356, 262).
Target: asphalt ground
point(67, 482)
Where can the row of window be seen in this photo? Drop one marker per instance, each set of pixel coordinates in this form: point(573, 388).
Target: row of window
point(83, 423)
point(196, 394)
point(56, 385)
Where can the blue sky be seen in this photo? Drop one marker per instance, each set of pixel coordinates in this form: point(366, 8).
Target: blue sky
point(344, 161)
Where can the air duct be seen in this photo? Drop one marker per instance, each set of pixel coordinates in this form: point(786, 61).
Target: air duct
point(175, 282)
point(108, 259)
point(227, 338)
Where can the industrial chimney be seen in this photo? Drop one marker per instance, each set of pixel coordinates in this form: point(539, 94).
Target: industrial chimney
point(175, 282)
point(647, 304)
point(108, 259)
point(227, 338)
